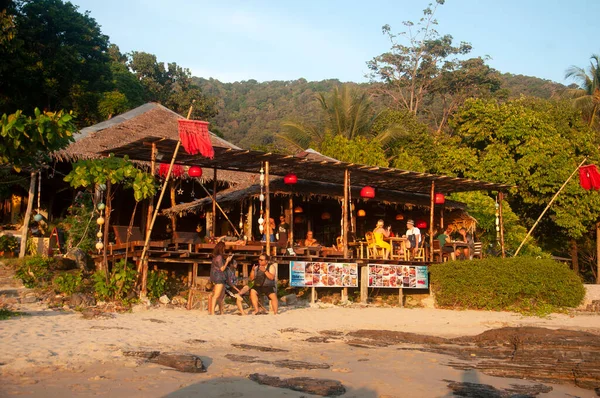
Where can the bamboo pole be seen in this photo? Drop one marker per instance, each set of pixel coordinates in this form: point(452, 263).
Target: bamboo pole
point(431, 211)
point(345, 213)
point(549, 204)
point(151, 200)
point(214, 200)
point(500, 199)
point(291, 232)
point(27, 218)
point(107, 211)
point(214, 203)
point(267, 209)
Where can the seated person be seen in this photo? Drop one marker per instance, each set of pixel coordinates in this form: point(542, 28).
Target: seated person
point(231, 288)
point(443, 238)
point(263, 276)
point(378, 233)
point(231, 240)
point(465, 253)
point(413, 234)
point(310, 241)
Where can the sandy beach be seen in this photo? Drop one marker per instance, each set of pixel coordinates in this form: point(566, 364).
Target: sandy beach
point(58, 353)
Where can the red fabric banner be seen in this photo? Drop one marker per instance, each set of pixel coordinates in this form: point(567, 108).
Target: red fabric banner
point(195, 138)
point(589, 178)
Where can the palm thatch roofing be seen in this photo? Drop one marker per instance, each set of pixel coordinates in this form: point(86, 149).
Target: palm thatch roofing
point(308, 168)
point(149, 119)
point(230, 199)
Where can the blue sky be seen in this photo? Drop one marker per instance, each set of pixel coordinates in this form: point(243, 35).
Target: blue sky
point(316, 40)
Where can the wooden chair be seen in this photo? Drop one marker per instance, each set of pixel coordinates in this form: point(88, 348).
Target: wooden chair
point(134, 240)
point(477, 250)
point(191, 239)
point(373, 250)
point(441, 255)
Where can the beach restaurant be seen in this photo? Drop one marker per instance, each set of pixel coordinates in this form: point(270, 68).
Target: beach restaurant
point(311, 269)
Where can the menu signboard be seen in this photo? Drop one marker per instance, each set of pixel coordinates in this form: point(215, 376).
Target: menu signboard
point(404, 276)
point(313, 274)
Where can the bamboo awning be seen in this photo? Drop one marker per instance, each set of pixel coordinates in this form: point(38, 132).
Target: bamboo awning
point(322, 171)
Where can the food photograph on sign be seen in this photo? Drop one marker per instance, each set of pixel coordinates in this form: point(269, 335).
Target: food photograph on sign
point(317, 274)
point(398, 276)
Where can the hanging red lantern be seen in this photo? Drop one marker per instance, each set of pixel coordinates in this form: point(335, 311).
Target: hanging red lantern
point(367, 192)
point(421, 224)
point(290, 179)
point(177, 170)
point(439, 199)
point(195, 171)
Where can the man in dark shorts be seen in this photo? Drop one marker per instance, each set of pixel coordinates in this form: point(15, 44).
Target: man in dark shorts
point(263, 276)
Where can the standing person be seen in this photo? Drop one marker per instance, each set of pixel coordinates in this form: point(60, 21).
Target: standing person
point(283, 231)
point(263, 276)
point(466, 237)
point(269, 229)
point(378, 233)
point(413, 234)
point(217, 277)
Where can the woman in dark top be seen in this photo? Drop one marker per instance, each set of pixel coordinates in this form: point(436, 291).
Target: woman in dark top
point(217, 277)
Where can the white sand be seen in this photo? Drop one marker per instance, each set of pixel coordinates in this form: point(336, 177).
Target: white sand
point(65, 342)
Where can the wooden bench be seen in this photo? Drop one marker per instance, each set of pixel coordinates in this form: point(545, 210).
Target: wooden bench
point(191, 239)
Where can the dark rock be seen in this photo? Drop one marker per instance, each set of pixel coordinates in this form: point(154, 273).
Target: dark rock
point(82, 300)
point(331, 333)
point(195, 341)
point(322, 387)
point(141, 354)
point(82, 260)
point(155, 320)
point(293, 330)
point(288, 363)
point(64, 264)
point(245, 358)
point(318, 339)
point(466, 389)
point(258, 348)
point(189, 363)
point(93, 313)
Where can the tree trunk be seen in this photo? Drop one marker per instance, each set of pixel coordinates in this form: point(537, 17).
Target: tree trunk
point(574, 255)
point(27, 217)
point(107, 211)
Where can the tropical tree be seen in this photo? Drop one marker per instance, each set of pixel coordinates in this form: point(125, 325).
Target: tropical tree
point(407, 72)
point(587, 95)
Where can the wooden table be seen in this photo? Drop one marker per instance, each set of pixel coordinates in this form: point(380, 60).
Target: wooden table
point(401, 242)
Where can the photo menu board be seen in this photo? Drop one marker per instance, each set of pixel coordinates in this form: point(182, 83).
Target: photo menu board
point(396, 276)
point(312, 274)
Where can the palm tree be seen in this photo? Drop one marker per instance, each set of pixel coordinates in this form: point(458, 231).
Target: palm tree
point(345, 111)
point(587, 96)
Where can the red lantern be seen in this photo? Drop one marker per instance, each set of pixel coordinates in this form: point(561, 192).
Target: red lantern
point(439, 199)
point(290, 179)
point(195, 171)
point(367, 192)
point(421, 224)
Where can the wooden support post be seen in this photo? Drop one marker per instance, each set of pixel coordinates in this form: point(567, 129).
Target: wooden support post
point(194, 274)
point(313, 295)
point(401, 297)
point(345, 213)
point(267, 223)
point(500, 199)
point(291, 218)
point(344, 294)
point(214, 204)
point(364, 284)
point(249, 220)
point(431, 212)
point(151, 200)
point(245, 274)
point(209, 224)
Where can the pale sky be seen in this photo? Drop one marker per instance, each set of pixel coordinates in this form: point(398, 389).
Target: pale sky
point(323, 39)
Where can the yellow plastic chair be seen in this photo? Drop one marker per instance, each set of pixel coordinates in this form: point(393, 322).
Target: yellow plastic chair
point(373, 250)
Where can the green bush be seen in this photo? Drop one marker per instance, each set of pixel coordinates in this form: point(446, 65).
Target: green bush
point(8, 244)
point(157, 283)
point(34, 271)
point(67, 282)
point(521, 284)
point(120, 282)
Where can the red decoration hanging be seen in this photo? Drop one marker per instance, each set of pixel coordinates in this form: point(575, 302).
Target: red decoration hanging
point(195, 171)
point(439, 199)
point(589, 178)
point(195, 138)
point(367, 192)
point(177, 171)
point(421, 224)
point(290, 179)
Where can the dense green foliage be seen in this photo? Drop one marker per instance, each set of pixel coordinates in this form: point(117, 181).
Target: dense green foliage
point(28, 140)
point(79, 224)
point(34, 271)
point(67, 282)
point(521, 284)
point(118, 286)
point(157, 283)
point(7, 314)
point(8, 244)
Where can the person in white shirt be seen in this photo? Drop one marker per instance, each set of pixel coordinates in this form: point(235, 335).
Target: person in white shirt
point(414, 237)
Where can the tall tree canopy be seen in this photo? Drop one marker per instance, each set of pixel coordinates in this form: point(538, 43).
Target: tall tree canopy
point(56, 60)
point(587, 96)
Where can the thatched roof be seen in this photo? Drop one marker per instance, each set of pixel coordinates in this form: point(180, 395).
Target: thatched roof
point(148, 119)
point(230, 198)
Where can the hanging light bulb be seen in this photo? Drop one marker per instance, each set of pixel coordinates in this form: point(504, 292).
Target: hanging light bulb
point(261, 220)
point(261, 197)
point(99, 246)
point(99, 234)
point(100, 220)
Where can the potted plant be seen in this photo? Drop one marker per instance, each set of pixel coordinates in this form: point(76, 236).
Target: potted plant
point(8, 245)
